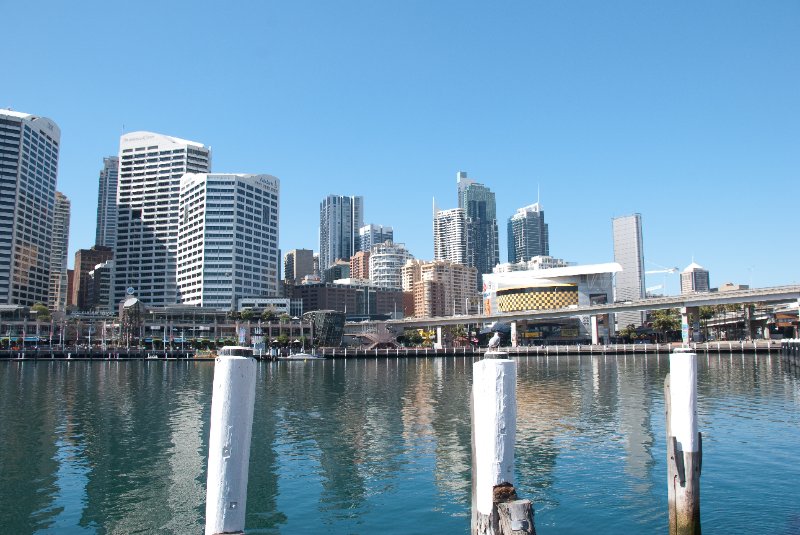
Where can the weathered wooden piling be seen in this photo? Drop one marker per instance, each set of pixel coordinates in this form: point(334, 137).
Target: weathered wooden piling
point(229, 444)
point(684, 444)
point(495, 507)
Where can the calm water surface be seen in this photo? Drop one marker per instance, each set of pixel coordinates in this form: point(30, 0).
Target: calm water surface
point(383, 446)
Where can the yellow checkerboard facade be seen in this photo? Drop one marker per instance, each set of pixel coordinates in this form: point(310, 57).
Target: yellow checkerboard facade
point(537, 298)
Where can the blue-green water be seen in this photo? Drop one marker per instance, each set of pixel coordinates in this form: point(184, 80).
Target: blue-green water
point(366, 446)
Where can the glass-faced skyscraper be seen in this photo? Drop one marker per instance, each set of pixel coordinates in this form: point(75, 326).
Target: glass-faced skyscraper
point(29, 147)
point(629, 253)
point(106, 231)
point(150, 171)
point(527, 234)
point(480, 215)
point(227, 238)
point(340, 217)
point(58, 254)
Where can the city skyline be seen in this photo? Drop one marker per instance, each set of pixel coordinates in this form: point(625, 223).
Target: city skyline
point(685, 114)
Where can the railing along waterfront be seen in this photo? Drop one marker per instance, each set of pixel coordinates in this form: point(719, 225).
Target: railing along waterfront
point(756, 346)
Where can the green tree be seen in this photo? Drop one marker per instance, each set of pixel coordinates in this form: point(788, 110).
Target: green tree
point(268, 315)
point(666, 321)
point(283, 340)
point(413, 337)
point(246, 314)
point(284, 318)
point(629, 333)
point(42, 312)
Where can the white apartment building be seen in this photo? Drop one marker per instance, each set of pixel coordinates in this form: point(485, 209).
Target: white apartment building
point(150, 169)
point(29, 147)
point(227, 239)
point(386, 261)
point(371, 235)
point(449, 236)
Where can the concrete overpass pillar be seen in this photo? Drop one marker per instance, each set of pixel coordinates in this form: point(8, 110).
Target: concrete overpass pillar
point(439, 337)
point(513, 334)
point(595, 329)
point(690, 333)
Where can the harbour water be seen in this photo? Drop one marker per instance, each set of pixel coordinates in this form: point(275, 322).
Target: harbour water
point(383, 445)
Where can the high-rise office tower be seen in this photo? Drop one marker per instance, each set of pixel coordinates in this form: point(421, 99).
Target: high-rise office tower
point(694, 279)
point(480, 215)
point(386, 260)
point(85, 262)
point(629, 253)
point(227, 238)
point(29, 147)
point(449, 236)
point(527, 234)
point(58, 254)
point(340, 218)
point(371, 235)
point(150, 170)
point(106, 231)
point(101, 287)
point(297, 264)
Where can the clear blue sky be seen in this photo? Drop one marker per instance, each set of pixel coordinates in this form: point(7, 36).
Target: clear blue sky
point(686, 112)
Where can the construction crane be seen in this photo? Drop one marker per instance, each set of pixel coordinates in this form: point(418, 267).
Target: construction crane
point(666, 271)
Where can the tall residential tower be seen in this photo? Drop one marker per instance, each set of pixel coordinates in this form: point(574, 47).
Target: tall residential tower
point(106, 231)
point(528, 235)
point(340, 217)
point(480, 215)
point(29, 147)
point(151, 167)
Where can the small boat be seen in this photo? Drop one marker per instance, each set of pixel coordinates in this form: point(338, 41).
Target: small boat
point(301, 357)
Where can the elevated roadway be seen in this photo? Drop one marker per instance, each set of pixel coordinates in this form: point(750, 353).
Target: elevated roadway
point(772, 295)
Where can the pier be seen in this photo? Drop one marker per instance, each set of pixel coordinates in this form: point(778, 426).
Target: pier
point(754, 346)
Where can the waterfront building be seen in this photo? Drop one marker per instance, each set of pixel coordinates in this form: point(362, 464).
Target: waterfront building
point(629, 253)
point(351, 299)
point(29, 148)
point(371, 235)
point(150, 170)
point(279, 305)
point(359, 265)
point(58, 254)
point(386, 262)
point(480, 216)
point(70, 286)
point(528, 235)
point(545, 289)
point(227, 238)
point(85, 262)
point(449, 236)
point(694, 279)
point(106, 231)
point(536, 262)
point(297, 263)
point(340, 217)
point(101, 287)
point(452, 293)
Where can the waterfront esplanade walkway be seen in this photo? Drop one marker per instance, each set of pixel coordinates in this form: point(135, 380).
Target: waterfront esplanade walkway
point(686, 302)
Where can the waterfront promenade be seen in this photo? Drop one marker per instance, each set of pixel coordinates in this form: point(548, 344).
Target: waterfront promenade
point(756, 346)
